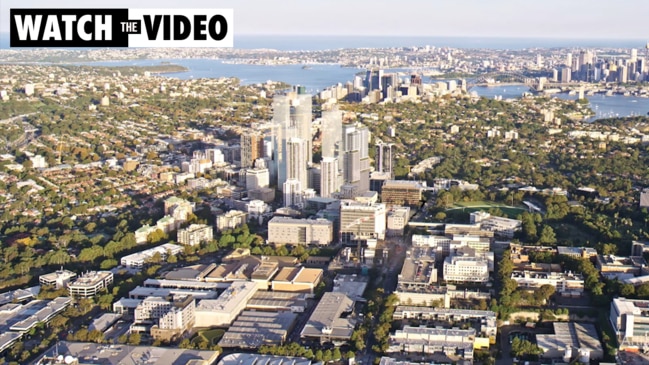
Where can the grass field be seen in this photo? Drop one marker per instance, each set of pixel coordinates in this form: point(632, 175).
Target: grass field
point(469, 207)
point(212, 336)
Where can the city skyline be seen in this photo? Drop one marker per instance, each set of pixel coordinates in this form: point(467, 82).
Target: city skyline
point(578, 19)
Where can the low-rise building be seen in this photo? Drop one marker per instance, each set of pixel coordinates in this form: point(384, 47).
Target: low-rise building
point(58, 279)
point(571, 342)
point(402, 192)
point(332, 320)
point(254, 329)
point(90, 283)
point(611, 264)
point(397, 220)
point(285, 230)
point(424, 340)
point(630, 321)
point(195, 234)
point(223, 311)
point(138, 259)
point(567, 284)
point(488, 326)
point(504, 227)
point(257, 359)
point(297, 279)
point(577, 252)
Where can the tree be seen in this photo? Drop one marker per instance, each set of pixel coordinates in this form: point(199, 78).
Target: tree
point(134, 339)
point(547, 236)
point(336, 355)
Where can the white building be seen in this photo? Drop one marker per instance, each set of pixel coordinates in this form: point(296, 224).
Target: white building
point(90, 283)
point(58, 279)
point(397, 220)
point(466, 268)
point(195, 234)
point(285, 230)
point(361, 221)
point(223, 311)
point(231, 220)
point(430, 340)
point(504, 227)
point(138, 259)
point(630, 321)
point(257, 178)
point(565, 283)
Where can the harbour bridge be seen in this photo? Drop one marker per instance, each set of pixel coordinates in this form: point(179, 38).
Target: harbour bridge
point(504, 78)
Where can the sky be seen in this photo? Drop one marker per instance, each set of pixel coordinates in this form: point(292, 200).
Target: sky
point(571, 19)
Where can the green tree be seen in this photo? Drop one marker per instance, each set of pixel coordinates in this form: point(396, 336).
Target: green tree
point(547, 236)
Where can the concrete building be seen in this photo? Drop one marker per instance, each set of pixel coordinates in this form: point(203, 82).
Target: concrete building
point(644, 198)
point(630, 321)
point(176, 321)
point(567, 284)
point(571, 342)
point(397, 219)
point(277, 301)
point(139, 259)
point(231, 220)
point(384, 158)
point(96, 353)
point(488, 324)
point(504, 227)
point(611, 264)
point(402, 192)
point(257, 178)
point(297, 279)
point(577, 252)
point(257, 359)
point(90, 283)
point(252, 147)
point(361, 221)
point(254, 329)
point(223, 311)
point(425, 340)
point(285, 230)
point(463, 267)
point(418, 271)
point(329, 177)
point(356, 160)
point(178, 208)
point(195, 234)
point(58, 279)
point(332, 320)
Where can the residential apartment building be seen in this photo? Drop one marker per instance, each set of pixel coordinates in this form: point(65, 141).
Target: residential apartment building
point(195, 234)
point(231, 220)
point(285, 230)
point(139, 259)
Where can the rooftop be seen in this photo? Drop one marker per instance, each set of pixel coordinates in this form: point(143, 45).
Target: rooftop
point(328, 317)
point(229, 299)
point(256, 359)
point(298, 275)
point(102, 354)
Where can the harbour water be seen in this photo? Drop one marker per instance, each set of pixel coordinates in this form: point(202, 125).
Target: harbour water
point(320, 76)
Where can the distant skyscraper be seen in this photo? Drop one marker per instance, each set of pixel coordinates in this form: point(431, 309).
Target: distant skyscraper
point(332, 132)
point(622, 74)
point(634, 55)
point(292, 191)
point(373, 79)
point(291, 119)
point(569, 60)
point(384, 158)
point(329, 177)
point(296, 161)
point(356, 161)
point(566, 75)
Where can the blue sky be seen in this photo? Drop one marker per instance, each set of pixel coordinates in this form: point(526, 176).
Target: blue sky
point(597, 19)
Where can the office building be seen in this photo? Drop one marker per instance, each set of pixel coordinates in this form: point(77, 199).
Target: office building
point(285, 230)
point(58, 279)
point(611, 264)
point(402, 192)
point(291, 119)
point(503, 227)
point(195, 234)
point(566, 75)
point(397, 220)
point(332, 320)
point(630, 321)
point(418, 271)
point(360, 221)
point(292, 191)
point(463, 267)
point(257, 359)
point(332, 132)
point(90, 283)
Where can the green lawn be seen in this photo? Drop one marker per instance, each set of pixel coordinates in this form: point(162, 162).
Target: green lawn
point(212, 336)
point(469, 207)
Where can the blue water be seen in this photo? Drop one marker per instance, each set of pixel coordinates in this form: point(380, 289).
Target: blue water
point(603, 106)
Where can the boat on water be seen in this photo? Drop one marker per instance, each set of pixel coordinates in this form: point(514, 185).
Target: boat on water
point(306, 67)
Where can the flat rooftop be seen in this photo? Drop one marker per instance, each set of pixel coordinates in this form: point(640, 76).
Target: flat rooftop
point(329, 314)
point(230, 298)
point(352, 285)
point(253, 329)
point(255, 359)
point(102, 354)
point(298, 275)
